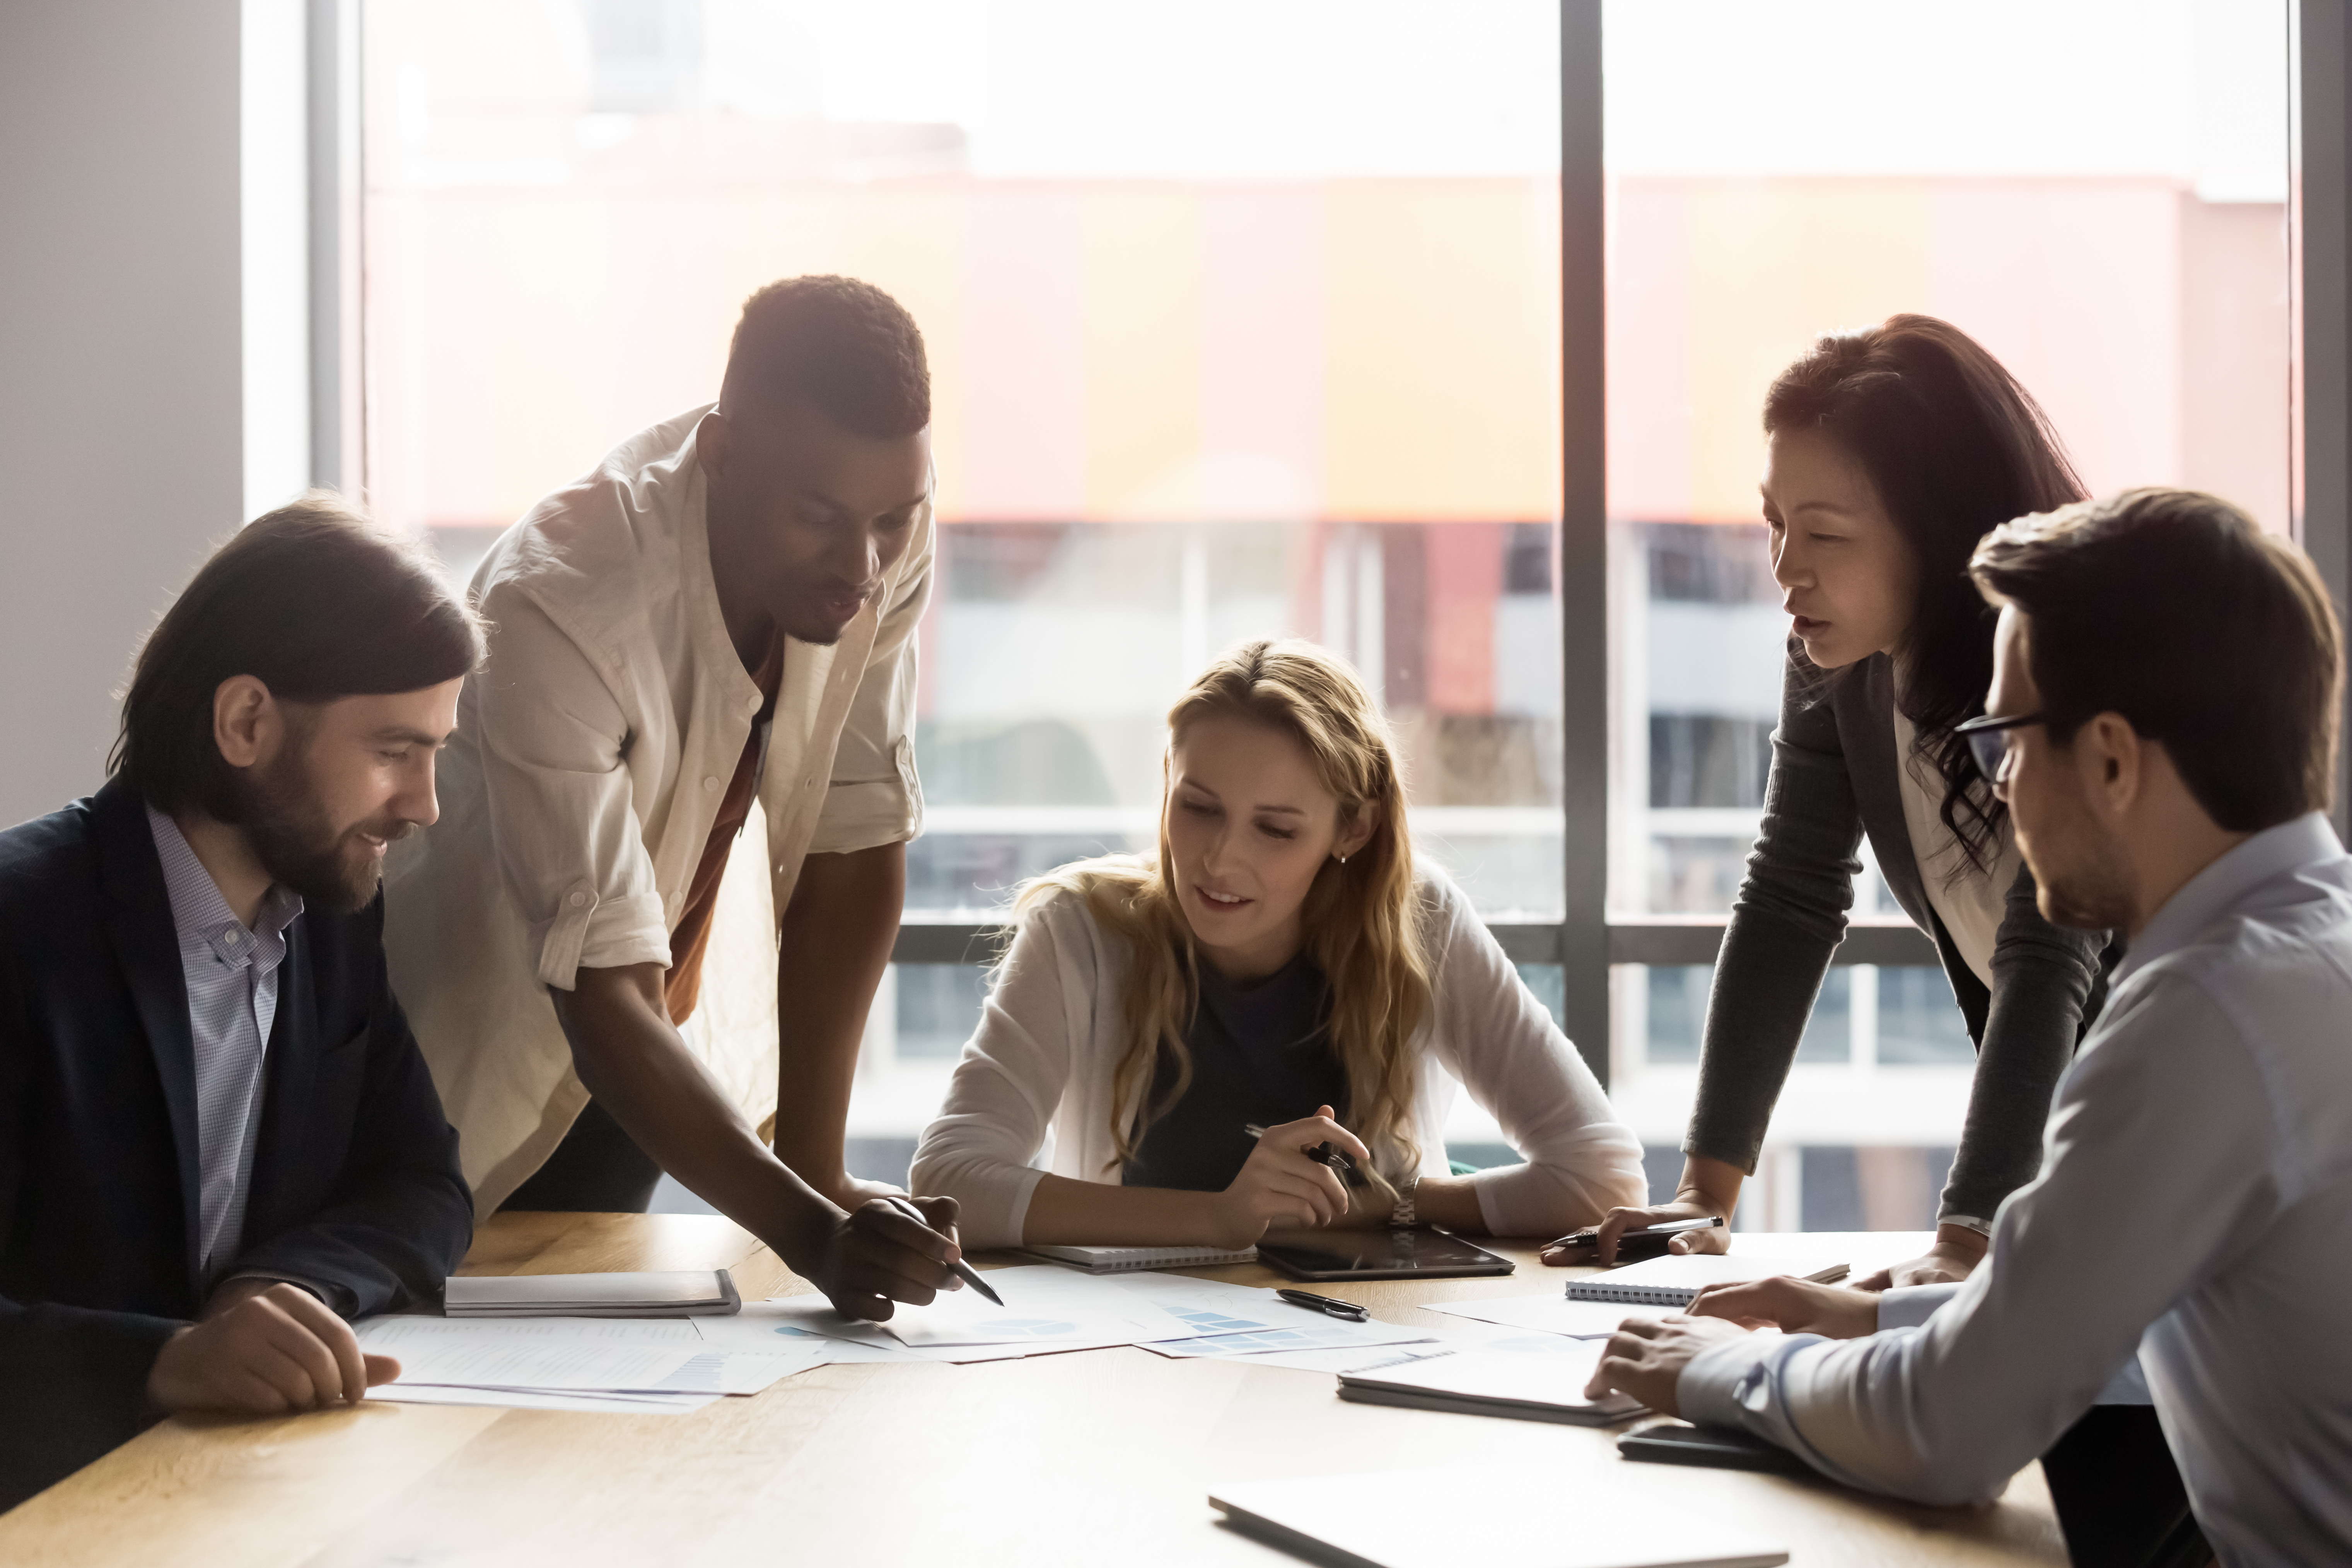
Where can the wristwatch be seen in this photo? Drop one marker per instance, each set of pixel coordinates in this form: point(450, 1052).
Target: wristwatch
point(1400, 1217)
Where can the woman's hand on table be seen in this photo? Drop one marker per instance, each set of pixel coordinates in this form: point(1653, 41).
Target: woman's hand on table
point(1709, 1189)
point(1957, 1251)
point(1279, 1185)
point(1599, 1243)
point(1792, 1306)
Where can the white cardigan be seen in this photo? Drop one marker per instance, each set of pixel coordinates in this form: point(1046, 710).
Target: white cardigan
point(1032, 1092)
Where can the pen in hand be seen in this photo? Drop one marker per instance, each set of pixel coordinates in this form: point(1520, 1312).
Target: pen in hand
point(1322, 1154)
point(964, 1271)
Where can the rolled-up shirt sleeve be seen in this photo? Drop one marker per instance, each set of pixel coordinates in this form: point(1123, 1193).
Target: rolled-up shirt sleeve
point(873, 796)
point(559, 793)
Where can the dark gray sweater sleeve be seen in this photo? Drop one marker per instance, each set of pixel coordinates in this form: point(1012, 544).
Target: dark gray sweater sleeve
point(2046, 982)
point(1788, 918)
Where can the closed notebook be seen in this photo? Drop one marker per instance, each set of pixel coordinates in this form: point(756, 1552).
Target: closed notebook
point(1492, 1516)
point(1672, 1282)
point(1121, 1259)
point(689, 1293)
point(1492, 1383)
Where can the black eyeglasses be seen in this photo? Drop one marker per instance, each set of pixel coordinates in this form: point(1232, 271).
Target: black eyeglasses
point(1987, 741)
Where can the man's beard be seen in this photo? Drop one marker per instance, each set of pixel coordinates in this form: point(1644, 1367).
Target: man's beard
point(299, 847)
point(2095, 890)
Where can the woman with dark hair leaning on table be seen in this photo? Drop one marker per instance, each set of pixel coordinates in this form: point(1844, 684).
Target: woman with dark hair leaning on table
point(1893, 450)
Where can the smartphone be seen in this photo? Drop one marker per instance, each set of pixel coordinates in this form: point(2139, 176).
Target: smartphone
point(1717, 1447)
point(1636, 1245)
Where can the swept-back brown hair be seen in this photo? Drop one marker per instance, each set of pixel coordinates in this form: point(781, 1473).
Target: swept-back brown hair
point(314, 600)
point(1363, 920)
point(1954, 446)
point(2174, 609)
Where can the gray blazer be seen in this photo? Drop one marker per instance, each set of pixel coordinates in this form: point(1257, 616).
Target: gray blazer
point(1833, 779)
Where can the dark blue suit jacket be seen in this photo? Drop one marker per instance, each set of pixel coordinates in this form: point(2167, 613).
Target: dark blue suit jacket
point(355, 1182)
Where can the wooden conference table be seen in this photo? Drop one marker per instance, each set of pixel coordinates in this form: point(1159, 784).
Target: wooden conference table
point(1089, 1457)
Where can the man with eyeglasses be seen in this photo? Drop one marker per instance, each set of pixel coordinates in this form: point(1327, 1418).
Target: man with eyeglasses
point(2163, 726)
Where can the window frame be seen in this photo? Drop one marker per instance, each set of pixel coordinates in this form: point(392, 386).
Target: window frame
point(1589, 940)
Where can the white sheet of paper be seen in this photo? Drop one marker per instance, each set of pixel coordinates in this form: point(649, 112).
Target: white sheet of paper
point(1353, 1358)
point(1181, 1294)
point(540, 1399)
point(845, 1352)
point(493, 1356)
point(1044, 1304)
point(747, 1372)
point(614, 1331)
point(1550, 1314)
point(1330, 1333)
point(763, 1325)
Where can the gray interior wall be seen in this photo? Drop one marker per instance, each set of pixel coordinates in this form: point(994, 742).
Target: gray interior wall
point(121, 423)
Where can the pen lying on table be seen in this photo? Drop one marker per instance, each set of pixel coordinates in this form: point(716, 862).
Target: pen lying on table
point(1329, 1306)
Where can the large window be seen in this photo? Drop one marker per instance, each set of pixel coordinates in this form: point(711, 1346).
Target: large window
point(1244, 321)
point(2117, 236)
point(1247, 319)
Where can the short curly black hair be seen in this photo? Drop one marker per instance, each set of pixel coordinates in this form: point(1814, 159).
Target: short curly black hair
point(843, 344)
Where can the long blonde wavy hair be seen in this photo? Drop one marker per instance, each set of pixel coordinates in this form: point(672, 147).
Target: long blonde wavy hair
point(1363, 921)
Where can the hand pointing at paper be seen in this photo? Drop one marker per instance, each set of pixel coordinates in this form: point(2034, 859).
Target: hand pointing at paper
point(876, 1255)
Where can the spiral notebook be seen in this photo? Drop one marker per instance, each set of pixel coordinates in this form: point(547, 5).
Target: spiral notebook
point(1123, 1259)
point(1672, 1282)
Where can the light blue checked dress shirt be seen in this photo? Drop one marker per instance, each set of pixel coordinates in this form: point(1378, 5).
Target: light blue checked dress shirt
point(232, 979)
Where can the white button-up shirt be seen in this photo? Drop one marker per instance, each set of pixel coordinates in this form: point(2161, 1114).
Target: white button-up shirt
point(231, 973)
point(580, 789)
point(2195, 1203)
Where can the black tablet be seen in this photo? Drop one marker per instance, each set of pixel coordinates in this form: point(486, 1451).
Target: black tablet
point(1376, 1255)
point(1717, 1448)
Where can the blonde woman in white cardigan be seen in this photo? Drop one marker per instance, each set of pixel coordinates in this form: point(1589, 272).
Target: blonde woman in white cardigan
point(1280, 962)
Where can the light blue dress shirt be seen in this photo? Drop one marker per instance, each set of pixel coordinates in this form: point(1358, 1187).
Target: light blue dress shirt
point(2195, 1204)
point(232, 980)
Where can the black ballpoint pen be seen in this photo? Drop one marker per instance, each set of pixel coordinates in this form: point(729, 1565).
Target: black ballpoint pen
point(970, 1275)
point(1328, 1306)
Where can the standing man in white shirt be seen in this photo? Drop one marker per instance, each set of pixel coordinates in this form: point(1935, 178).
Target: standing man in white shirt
point(720, 617)
point(2162, 724)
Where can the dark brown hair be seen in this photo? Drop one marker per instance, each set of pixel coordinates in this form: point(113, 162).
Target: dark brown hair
point(844, 345)
point(1953, 445)
point(315, 602)
point(2173, 609)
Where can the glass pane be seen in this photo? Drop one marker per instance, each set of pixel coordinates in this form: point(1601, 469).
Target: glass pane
point(2116, 237)
point(2125, 258)
point(1256, 334)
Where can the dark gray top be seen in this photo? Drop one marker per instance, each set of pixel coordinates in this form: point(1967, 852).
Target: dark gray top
point(1833, 778)
point(1259, 1057)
